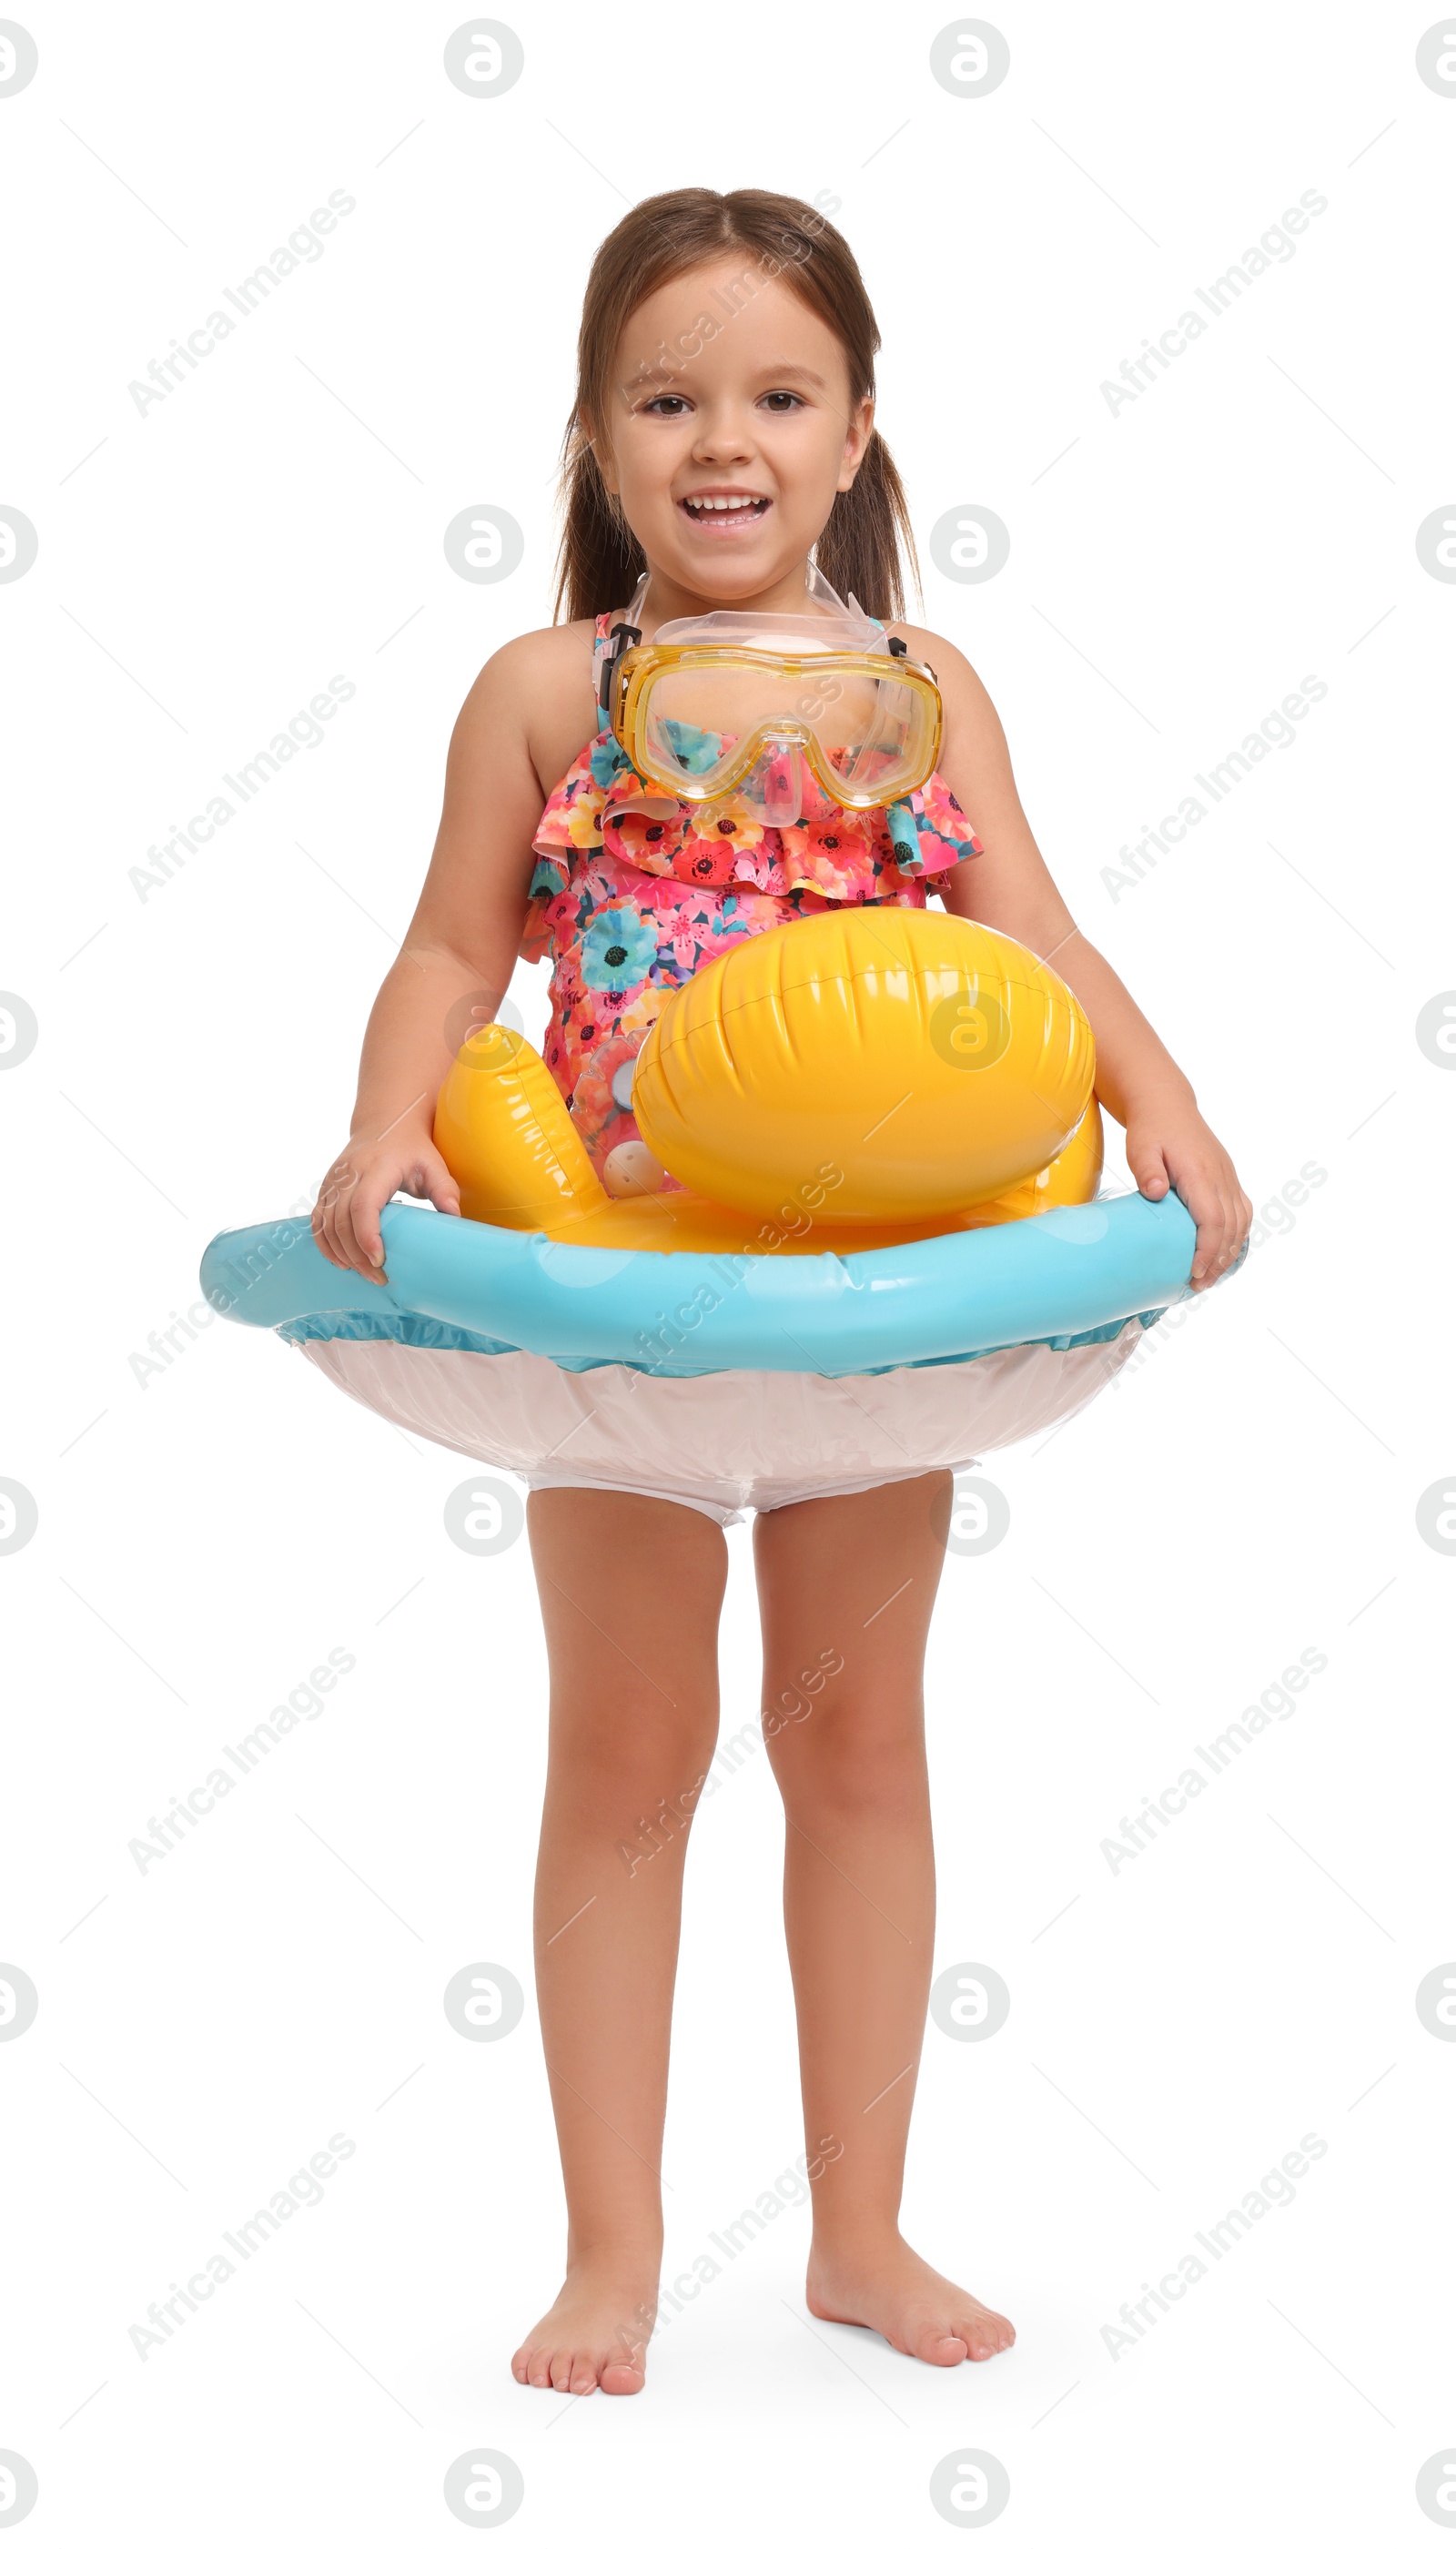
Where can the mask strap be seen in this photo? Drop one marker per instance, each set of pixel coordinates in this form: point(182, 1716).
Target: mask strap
point(626, 633)
point(817, 587)
point(821, 591)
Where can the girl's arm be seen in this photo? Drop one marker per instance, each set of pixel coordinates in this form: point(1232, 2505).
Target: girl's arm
point(454, 965)
point(1009, 888)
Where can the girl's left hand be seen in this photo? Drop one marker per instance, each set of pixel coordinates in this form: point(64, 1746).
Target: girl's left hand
point(1180, 1151)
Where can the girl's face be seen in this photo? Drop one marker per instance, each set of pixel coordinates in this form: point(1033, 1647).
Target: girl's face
point(730, 432)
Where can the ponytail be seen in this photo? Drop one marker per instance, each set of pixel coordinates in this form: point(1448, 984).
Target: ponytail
point(601, 561)
point(859, 547)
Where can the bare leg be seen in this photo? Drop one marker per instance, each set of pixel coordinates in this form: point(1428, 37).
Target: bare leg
point(846, 1586)
point(631, 1591)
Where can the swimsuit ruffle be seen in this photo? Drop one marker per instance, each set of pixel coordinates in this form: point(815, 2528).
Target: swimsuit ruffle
point(839, 854)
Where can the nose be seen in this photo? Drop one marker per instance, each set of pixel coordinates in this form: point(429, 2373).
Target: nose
point(724, 432)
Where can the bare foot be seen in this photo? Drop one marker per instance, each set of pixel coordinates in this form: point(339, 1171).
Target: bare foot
point(595, 2335)
point(887, 2287)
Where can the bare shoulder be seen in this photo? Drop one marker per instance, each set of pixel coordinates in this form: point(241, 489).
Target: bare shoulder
point(550, 660)
point(971, 721)
point(539, 686)
point(952, 669)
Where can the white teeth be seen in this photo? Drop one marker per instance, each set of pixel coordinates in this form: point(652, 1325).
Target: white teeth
point(719, 504)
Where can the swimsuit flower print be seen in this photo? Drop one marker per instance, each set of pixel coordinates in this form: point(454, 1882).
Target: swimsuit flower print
point(642, 840)
point(616, 951)
point(583, 823)
point(730, 819)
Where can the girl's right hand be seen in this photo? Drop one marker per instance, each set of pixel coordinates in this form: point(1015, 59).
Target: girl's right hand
point(360, 1183)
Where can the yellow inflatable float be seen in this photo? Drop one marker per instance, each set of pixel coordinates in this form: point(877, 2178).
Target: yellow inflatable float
point(858, 1081)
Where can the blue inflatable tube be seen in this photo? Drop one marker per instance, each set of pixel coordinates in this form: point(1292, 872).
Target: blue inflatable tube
point(1062, 1278)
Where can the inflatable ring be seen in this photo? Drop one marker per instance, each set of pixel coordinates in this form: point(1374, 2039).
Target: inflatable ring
point(946, 1314)
point(1069, 1277)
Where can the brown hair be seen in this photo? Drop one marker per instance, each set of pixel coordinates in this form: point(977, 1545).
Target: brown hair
point(859, 549)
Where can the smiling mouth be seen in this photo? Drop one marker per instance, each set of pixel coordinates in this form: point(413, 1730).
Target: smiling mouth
point(724, 509)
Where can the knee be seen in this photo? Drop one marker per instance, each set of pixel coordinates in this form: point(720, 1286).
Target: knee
point(851, 1766)
point(628, 1763)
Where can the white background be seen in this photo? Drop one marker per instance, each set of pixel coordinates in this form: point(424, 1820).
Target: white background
point(208, 1534)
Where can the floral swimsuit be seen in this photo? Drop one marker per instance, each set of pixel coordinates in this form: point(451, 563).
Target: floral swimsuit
point(630, 900)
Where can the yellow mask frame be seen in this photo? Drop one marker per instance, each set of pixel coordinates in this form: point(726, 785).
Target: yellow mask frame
point(636, 673)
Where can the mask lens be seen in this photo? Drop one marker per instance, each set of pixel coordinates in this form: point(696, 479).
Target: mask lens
point(679, 748)
point(871, 731)
point(698, 713)
point(875, 736)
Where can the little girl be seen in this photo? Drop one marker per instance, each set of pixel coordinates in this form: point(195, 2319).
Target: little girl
point(722, 431)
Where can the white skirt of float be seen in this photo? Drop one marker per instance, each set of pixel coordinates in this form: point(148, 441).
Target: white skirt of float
point(731, 1438)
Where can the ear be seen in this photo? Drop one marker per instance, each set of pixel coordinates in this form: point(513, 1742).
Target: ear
point(856, 442)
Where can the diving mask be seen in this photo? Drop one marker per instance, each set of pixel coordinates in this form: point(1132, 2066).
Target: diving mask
point(739, 702)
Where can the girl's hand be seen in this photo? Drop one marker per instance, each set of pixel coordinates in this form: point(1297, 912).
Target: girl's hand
point(1180, 1151)
point(366, 1172)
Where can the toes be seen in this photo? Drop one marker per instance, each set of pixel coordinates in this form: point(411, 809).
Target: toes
point(985, 2336)
point(943, 2348)
point(573, 2372)
point(621, 2379)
